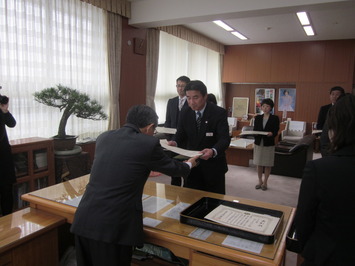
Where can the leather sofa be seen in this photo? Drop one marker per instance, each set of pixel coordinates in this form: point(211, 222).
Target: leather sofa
point(290, 158)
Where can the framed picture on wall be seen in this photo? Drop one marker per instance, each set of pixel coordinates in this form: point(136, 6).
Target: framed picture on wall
point(287, 100)
point(240, 106)
point(261, 94)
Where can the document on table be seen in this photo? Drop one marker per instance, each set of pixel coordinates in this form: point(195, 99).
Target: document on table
point(166, 130)
point(74, 201)
point(248, 221)
point(242, 143)
point(237, 242)
point(187, 153)
point(174, 212)
point(154, 204)
point(252, 132)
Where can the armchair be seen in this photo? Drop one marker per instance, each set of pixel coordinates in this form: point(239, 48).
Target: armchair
point(294, 131)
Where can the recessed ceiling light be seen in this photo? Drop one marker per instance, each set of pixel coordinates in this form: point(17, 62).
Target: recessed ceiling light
point(303, 18)
point(223, 25)
point(239, 35)
point(309, 30)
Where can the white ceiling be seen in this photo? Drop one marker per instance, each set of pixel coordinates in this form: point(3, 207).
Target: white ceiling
point(262, 21)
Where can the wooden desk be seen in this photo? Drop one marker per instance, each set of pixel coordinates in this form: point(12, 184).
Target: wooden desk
point(29, 237)
point(171, 233)
point(239, 155)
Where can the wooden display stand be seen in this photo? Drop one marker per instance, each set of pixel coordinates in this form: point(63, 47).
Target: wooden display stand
point(34, 165)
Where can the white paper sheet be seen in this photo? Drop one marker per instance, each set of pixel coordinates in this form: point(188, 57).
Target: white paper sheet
point(252, 132)
point(154, 204)
point(73, 202)
point(151, 222)
point(187, 153)
point(166, 130)
point(200, 233)
point(174, 212)
point(237, 242)
point(242, 143)
point(244, 220)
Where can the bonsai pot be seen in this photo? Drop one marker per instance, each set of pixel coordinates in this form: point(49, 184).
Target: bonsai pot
point(64, 144)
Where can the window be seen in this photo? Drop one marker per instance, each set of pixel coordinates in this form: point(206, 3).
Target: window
point(178, 57)
point(46, 43)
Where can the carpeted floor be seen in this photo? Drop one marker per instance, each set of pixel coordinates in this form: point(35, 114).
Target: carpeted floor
point(241, 181)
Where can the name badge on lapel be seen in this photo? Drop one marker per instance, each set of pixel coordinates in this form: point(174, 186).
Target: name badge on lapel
point(209, 134)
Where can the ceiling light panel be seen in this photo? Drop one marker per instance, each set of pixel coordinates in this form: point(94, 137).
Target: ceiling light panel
point(223, 25)
point(303, 18)
point(239, 35)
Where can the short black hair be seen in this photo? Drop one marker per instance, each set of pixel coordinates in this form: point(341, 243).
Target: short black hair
point(268, 101)
point(183, 79)
point(142, 116)
point(212, 98)
point(196, 85)
point(341, 121)
point(337, 88)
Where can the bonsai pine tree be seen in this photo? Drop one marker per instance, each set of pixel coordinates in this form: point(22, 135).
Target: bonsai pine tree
point(70, 102)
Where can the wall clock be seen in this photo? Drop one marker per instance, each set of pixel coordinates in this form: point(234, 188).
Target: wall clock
point(139, 46)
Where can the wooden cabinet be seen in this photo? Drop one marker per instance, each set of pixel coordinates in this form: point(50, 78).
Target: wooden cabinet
point(34, 166)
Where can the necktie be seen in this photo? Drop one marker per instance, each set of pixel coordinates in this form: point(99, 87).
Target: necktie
point(198, 120)
point(181, 103)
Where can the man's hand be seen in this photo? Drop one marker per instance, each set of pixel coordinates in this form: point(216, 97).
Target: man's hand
point(172, 143)
point(193, 160)
point(206, 154)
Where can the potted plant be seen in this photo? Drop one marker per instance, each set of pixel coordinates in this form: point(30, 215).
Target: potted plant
point(70, 102)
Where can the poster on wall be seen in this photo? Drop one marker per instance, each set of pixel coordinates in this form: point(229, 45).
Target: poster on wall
point(287, 100)
point(261, 94)
point(240, 106)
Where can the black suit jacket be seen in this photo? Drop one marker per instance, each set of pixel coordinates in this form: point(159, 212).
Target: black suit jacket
point(111, 207)
point(322, 115)
point(172, 112)
point(325, 213)
point(272, 125)
point(7, 172)
point(213, 133)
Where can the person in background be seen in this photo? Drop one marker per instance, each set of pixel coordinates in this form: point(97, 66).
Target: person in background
point(7, 168)
point(264, 145)
point(334, 94)
point(108, 222)
point(203, 126)
point(173, 110)
point(212, 98)
point(325, 212)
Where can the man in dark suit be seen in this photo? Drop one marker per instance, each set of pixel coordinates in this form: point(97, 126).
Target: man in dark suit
point(334, 94)
point(203, 126)
point(108, 221)
point(173, 110)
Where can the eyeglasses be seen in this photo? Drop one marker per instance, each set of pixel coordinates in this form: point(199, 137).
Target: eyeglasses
point(181, 86)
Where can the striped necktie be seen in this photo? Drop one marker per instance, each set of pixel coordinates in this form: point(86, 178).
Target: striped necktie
point(181, 103)
point(198, 120)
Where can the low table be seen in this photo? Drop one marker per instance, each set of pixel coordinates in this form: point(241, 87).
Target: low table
point(239, 155)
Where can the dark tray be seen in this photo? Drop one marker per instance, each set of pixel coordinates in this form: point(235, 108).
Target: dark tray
point(194, 215)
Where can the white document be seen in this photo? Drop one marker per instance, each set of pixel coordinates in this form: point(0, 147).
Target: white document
point(150, 222)
point(240, 243)
point(187, 153)
point(242, 143)
point(73, 202)
point(200, 233)
point(244, 220)
point(252, 132)
point(166, 130)
point(155, 204)
point(174, 212)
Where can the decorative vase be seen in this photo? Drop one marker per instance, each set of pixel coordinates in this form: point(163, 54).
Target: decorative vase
point(64, 144)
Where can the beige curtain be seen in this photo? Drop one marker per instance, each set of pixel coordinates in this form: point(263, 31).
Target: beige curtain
point(114, 47)
point(193, 37)
point(120, 7)
point(152, 61)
